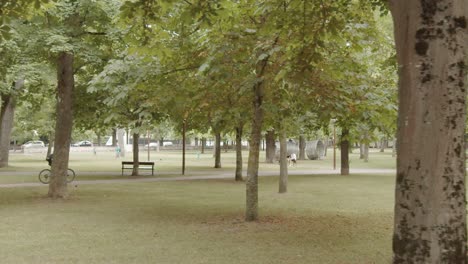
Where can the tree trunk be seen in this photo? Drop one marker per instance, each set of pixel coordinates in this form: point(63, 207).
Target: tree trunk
point(239, 152)
point(270, 152)
point(217, 150)
point(136, 158)
point(203, 144)
point(383, 145)
point(114, 137)
point(394, 150)
point(99, 143)
point(361, 150)
point(302, 147)
point(184, 132)
point(430, 200)
point(366, 152)
point(344, 144)
point(283, 181)
point(63, 127)
point(7, 113)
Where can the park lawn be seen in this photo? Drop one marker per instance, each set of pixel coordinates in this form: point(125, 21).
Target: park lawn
point(24, 168)
point(323, 219)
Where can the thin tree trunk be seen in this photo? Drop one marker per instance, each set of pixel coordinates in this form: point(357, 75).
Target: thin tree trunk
point(344, 151)
point(239, 152)
point(7, 113)
point(382, 145)
point(283, 181)
point(184, 131)
point(302, 147)
point(430, 197)
point(63, 127)
point(251, 212)
point(136, 158)
point(394, 150)
point(114, 137)
point(99, 143)
point(270, 152)
point(217, 150)
point(361, 150)
point(203, 144)
point(366, 152)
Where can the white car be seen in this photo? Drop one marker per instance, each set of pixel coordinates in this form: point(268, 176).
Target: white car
point(152, 145)
point(33, 144)
point(84, 143)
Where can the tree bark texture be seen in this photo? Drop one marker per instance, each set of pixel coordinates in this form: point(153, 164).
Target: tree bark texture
point(302, 147)
point(430, 202)
point(270, 151)
point(239, 130)
point(7, 114)
point(283, 180)
point(344, 145)
point(217, 150)
point(63, 127)
point(136, 158)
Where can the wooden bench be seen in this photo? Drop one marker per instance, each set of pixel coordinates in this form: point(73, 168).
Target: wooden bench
point(142, 165)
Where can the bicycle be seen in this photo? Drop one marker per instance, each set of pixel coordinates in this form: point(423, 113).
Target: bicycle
point(44, 175)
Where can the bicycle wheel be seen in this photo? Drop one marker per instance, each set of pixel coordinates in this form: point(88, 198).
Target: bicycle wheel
point(70, 175)
point(44, 176)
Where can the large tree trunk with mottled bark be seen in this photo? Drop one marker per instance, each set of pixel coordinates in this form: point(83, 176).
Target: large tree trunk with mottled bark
point(63, 127)
point(270, 150)
point(136, 157)
point(344, 145)
point(239, 152)
point(7, 113)
point(430, 202)
point(217, 152)
point(283, 181)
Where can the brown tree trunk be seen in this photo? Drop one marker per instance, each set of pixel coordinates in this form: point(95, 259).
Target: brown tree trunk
point(239, 152)
point(114, 137)
point(203, 144)
point(270, 152)
point(344, 144)
point(430, 200)
point(302, 147)
point(283, 181)
point(184, 132)
point(251, 212)
point(7, 113)
point(217, 150)
point(136, 158)
point(63, 127)
point(361, 151)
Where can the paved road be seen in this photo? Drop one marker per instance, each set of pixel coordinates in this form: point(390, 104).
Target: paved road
point(204, 175)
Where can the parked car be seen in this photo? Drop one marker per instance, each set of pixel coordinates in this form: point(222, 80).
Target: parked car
point(33, 144)
point(84, 143)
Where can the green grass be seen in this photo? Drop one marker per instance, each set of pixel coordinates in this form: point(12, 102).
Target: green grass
point(322, 219)
point(25, 167)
